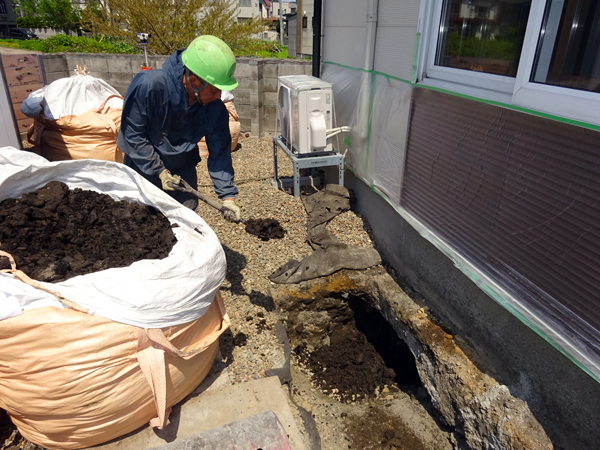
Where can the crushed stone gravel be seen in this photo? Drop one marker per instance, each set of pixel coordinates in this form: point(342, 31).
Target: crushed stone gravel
point(250, 261)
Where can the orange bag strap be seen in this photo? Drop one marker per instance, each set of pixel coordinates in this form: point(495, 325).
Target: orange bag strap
point(30, 133)
point(37, 128)
point(232, 113)
point(157, 335)
point(103, 105)
point(19, 275)
point(109, 123)
point(152, 343)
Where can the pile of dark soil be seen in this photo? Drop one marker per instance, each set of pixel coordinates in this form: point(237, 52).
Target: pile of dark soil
point(350, 364)
point(362, 354)
point(265, 229)
point(56, 233)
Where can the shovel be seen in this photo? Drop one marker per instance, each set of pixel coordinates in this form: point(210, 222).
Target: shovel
point(206, 199)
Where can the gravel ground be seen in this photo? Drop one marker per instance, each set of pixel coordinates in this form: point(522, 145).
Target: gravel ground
point(250, 261)
point(250, 348)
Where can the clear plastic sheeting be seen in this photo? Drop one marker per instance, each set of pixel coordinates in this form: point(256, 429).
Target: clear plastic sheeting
point(510, 197)
point(377, 108)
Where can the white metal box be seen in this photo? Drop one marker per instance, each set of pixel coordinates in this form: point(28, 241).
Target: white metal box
point(304, 106)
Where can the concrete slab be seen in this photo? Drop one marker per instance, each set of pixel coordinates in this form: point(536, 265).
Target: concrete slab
point(215, 407)
point(260, 431)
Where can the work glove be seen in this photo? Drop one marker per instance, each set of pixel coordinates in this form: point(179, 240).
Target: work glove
point(166, 177)
point(233, 213)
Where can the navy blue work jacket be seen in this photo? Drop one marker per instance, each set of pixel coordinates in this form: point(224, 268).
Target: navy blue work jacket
point(159, 130)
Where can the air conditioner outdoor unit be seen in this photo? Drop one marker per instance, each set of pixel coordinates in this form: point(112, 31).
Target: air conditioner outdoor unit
point(304, 107)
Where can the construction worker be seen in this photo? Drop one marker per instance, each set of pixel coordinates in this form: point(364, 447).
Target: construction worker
point(166, 112)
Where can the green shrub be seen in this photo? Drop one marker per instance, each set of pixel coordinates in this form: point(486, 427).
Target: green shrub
point(63, 43)
point(261, 49)
point(30, 22)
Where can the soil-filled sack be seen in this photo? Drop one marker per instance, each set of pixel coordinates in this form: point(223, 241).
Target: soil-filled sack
point(75, 118)
point(70, 97)
point(96, 356)
point(235, 127)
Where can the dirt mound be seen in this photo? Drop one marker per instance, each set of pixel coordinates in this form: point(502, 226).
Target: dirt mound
point(350, 349)
point(265, 229)
point(349, 367)
point(56, 233)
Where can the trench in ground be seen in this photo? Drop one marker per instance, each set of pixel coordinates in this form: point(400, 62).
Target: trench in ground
point(367, 374)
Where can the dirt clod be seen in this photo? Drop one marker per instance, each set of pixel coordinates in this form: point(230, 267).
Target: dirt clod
point(55, 233)
point(240, 340)
point(265, 229)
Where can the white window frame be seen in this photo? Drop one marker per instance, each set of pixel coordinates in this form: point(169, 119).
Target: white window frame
point(565, 102)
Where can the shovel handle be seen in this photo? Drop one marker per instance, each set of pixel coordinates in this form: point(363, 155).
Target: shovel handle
point(188, 189)
point(205, 198)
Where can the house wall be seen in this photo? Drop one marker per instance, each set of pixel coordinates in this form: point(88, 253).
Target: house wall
point(398, 142)
point(288, 8)
point(344, 32)
point(307, 33)
point(562, 397)
point(8, 20)
point(255, 96)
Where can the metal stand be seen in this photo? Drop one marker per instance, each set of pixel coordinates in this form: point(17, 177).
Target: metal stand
point(305, 162)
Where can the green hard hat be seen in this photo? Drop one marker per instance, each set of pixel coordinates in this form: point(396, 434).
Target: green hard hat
point(211, 59)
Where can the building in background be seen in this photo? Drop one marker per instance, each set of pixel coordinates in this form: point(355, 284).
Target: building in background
point(249, 9)
point(8, 18)
point(300, 40)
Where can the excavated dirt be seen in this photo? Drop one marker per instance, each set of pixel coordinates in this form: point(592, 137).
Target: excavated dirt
point(56, 233)
point(265, 229)
point(361, 378)
point(359, 356)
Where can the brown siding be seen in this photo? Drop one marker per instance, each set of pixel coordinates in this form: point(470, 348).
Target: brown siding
point(518, 195)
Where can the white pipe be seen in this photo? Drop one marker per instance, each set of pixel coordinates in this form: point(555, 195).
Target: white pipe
point(280, 24)
point(372, 8)
point(365, 95)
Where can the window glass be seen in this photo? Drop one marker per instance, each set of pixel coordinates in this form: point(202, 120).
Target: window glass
point(568, 51)
point(245, 2)
point(482, 35)
point(2, 7)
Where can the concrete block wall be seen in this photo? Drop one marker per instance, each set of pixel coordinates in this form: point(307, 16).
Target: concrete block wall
point(55, 67)
point(255, 96)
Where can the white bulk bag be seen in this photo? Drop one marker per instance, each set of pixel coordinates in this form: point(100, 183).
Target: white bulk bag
point(147, 294)
point(70, 97)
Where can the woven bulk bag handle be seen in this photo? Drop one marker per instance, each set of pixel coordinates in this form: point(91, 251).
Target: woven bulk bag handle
point(152, 343)
point(19, 275)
